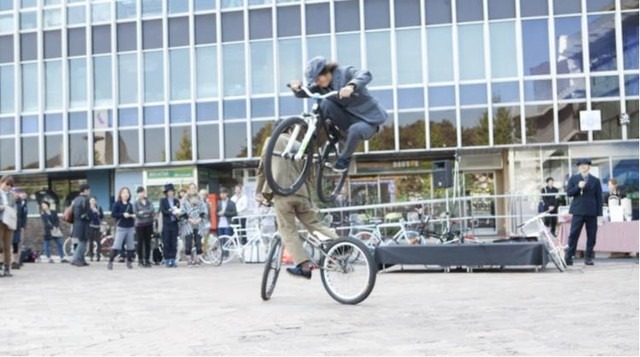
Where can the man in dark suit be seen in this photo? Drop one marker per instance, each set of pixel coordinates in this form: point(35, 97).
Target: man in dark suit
point(550, 199)
point(22, 213)
point(226, 212)
point(586, 207)
point(81, 225)
point(170, 209)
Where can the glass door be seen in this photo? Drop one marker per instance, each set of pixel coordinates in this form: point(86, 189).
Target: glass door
point(481, 188)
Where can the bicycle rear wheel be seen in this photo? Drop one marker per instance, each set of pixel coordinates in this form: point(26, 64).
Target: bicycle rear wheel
point(68, 247)
point(348, 270)
point(271, 269)
point(556, 252)
point(275, 155)
point(105, 246)
point(229, 248)
point(212, 251)
point(328, 182)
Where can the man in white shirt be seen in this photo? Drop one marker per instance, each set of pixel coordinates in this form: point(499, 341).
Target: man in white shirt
point(242, 207)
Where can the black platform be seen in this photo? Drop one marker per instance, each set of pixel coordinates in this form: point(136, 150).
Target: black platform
point(471, 255)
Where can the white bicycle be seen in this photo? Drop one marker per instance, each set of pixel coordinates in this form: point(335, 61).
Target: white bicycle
point(551, 243)
point(256, 247)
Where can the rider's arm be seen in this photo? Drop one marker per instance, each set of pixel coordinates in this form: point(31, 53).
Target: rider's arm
point(299, 93)
point(572, 187)
point(359, 77)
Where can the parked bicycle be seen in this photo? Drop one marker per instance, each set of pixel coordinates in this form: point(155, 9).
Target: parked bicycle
point(257, 245)
point(347, 268)
point(106, 242)
point(554, 249)
point(305, 132)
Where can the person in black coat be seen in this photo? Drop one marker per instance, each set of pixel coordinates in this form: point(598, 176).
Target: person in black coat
point(170, 210)
point(586, 207)
point(81, 225)
point(550, 199)
point(22, 213)
point(50, 221)
point(226, 212)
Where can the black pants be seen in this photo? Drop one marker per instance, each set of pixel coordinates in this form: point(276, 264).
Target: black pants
point(169, 240)
point(551, 222)
point(243, 236)
point(591, 223)
point(189, 240)
point(143, 233)
point(95, 237)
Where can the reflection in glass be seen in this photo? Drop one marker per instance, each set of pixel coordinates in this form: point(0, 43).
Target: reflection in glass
point(180, 113)
point(29, 124)
point(535, 46)
point(610, 115)
point(52, 122)
point(235, 109)
point(8, 157)
point(290, 105)
point(77, 120)
point(384, 97)
point(29, 87)
point(128, 147)
point(385, 139)
point(154, 149)
point(409, 98)
point(102, 80)
point(533, 8)
point(600, 5)
point(602, 42)
point(506, 125)
point(78, 150)
point(206, 72)
point(505, 92)
point(52, 18)
point(474, 124)
point(76, 15)
point(101, 12)
point(207, 111)
point(128, 78)
point(102, 119)
point(379, 62)
point(607, 86)
point(471, 94)
point(153, 77)
point(235, 140)
point(234, 72)
point(571, 88)
point(469, 10)
point(631, 82)
point(412, 130)
point(53, 151)
point(632, 110)
point(7, 126)
point(471, 52)
point(409, 54)
point(180, 76)
point(566, 6)
point(376, 14)
point(442, 129)
point(151, 8)
point(442, 96)
point(262, 108)
point(6, 89)
point(539, 123)
point(538, 90)
point(127, 117)
point(569, 122)
point(30, 153)
point(126, 9)
point(440, 54)
point(290, 62)
point(503, 49)
point(154, 115)
point(630, 39)
point(262, 67)
point(28, 20)
point(319, 46)
point(348, 49)
point(208, 142)
point(177, 6)
point(260, 131)
point(568, 44)
point(181, 149)
point(6, 23)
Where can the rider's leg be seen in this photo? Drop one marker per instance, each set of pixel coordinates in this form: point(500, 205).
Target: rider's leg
point(358, 132)
point(307, 216)
point(286, 215)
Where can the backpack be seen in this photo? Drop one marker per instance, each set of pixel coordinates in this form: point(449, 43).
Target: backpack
point(67, 216)
point(28, 256)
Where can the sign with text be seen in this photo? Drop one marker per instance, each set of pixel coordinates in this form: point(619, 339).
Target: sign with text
point(590, 120)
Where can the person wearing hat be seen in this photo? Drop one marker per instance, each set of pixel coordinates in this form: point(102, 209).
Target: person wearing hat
point(145, 214)
point(360, 116)
point(81, 225)
point(170, 209)
point(586, 207)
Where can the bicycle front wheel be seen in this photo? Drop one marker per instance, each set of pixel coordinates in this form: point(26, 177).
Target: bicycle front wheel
point(348, 270)
point(212, 251)
point(271, 269)
point(328, 182)
point(555, 251)
point(105, 246)
point(229, 248)
point(68, 247)
point(288, 134)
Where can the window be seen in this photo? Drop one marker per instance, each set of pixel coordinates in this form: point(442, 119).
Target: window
point(127, 37)
point(53, 150)
point(437, 12)
point(153, 77)
point(101, 12)
point(7, 126)
point(52, 46)
point(474, 126)
point(181, 144)
point(471, 52)
point(29, 124)
point(8, 157)
point(76, 40)
point(180, 113)
point(376, 14)
point(128, 78)
point(379, 62)
point(568, 45)
point(348, 48)
point(319, 46)
point(571, 88)
point(29, 87)
point(178, 31)
point(234, 70)
point(503, 50)
point(440, 53)
point(602, 43)
point(208, 147)
point(6, 23)
point(539, 123)
point(52, 18)
point(128, 146)
point(289, 21)
point(235, 140)
point(501, 9)
point(78, 150)
point(235, 109)
point(318, 19)
point(262, 108)
point(505, 92)
point(151, 34)
point(6, 43)
point(28, 46)
point(101, 39)
point(347, 15)
point(30, 153)
point(206, 111)
point(200, 5)
point(77, 82)
point(442, 96)
point(412, 129)
point(607, 86)
point(180, 76)
point(205, 28)
point(151, 8)
point(7, 97)
point(409, 55)
point(533, 8)
point(103, 148)
point(469, 10)
point(127, 117)
point(53, 85)
point(126, 9)
point(78, 121)
point(473, 94)
point(569, 122)
point(102, 80)
point(177, 6)
point(290, 62)
point(407, 13)
point(28, 20)
point(610, 114)
point(262, 81)
point(206, 72)
point(566, 6)
point(535, 46)
point(630, 40)
point(506, 125)
point(232, 26)
point(154, 115)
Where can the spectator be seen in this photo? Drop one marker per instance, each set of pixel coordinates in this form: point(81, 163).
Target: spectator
point(226, 211)
point(22, 214)
point(614, 192)
point(193, 224)
point(96, 215)
point(145, 213)
point(81, 221)
point(170, 208)
point(123, 212)
point(242, 207)
point(52, 231)
point(181, 193)
point(204, 196)
point(550, 200)
point(7, 202)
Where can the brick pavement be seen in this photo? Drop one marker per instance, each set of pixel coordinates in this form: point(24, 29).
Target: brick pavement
point(56, 309)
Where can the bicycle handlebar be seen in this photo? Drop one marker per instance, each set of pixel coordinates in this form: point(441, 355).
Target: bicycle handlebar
point(318, 95)
point(533, 219)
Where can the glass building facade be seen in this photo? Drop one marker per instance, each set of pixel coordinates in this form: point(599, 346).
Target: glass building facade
point(121, 85)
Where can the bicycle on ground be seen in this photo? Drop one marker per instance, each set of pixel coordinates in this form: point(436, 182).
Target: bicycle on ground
point(257, 244)
point(552, 245)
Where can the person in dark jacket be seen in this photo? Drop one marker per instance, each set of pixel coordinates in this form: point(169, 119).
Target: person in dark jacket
point(586, 207)
point(81, 225)
point(359, 116)
point(614, 192)
point(145, 213)
point(22, 214)
point(550, 199)
point(226, 212)
point(96, 215)
point(122, 211)
point(6, 233)
point(170, 209)
point(51, 222)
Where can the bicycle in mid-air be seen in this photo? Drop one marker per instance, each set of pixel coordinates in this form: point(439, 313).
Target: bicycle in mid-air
point(347, 267)
point(303, 133)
